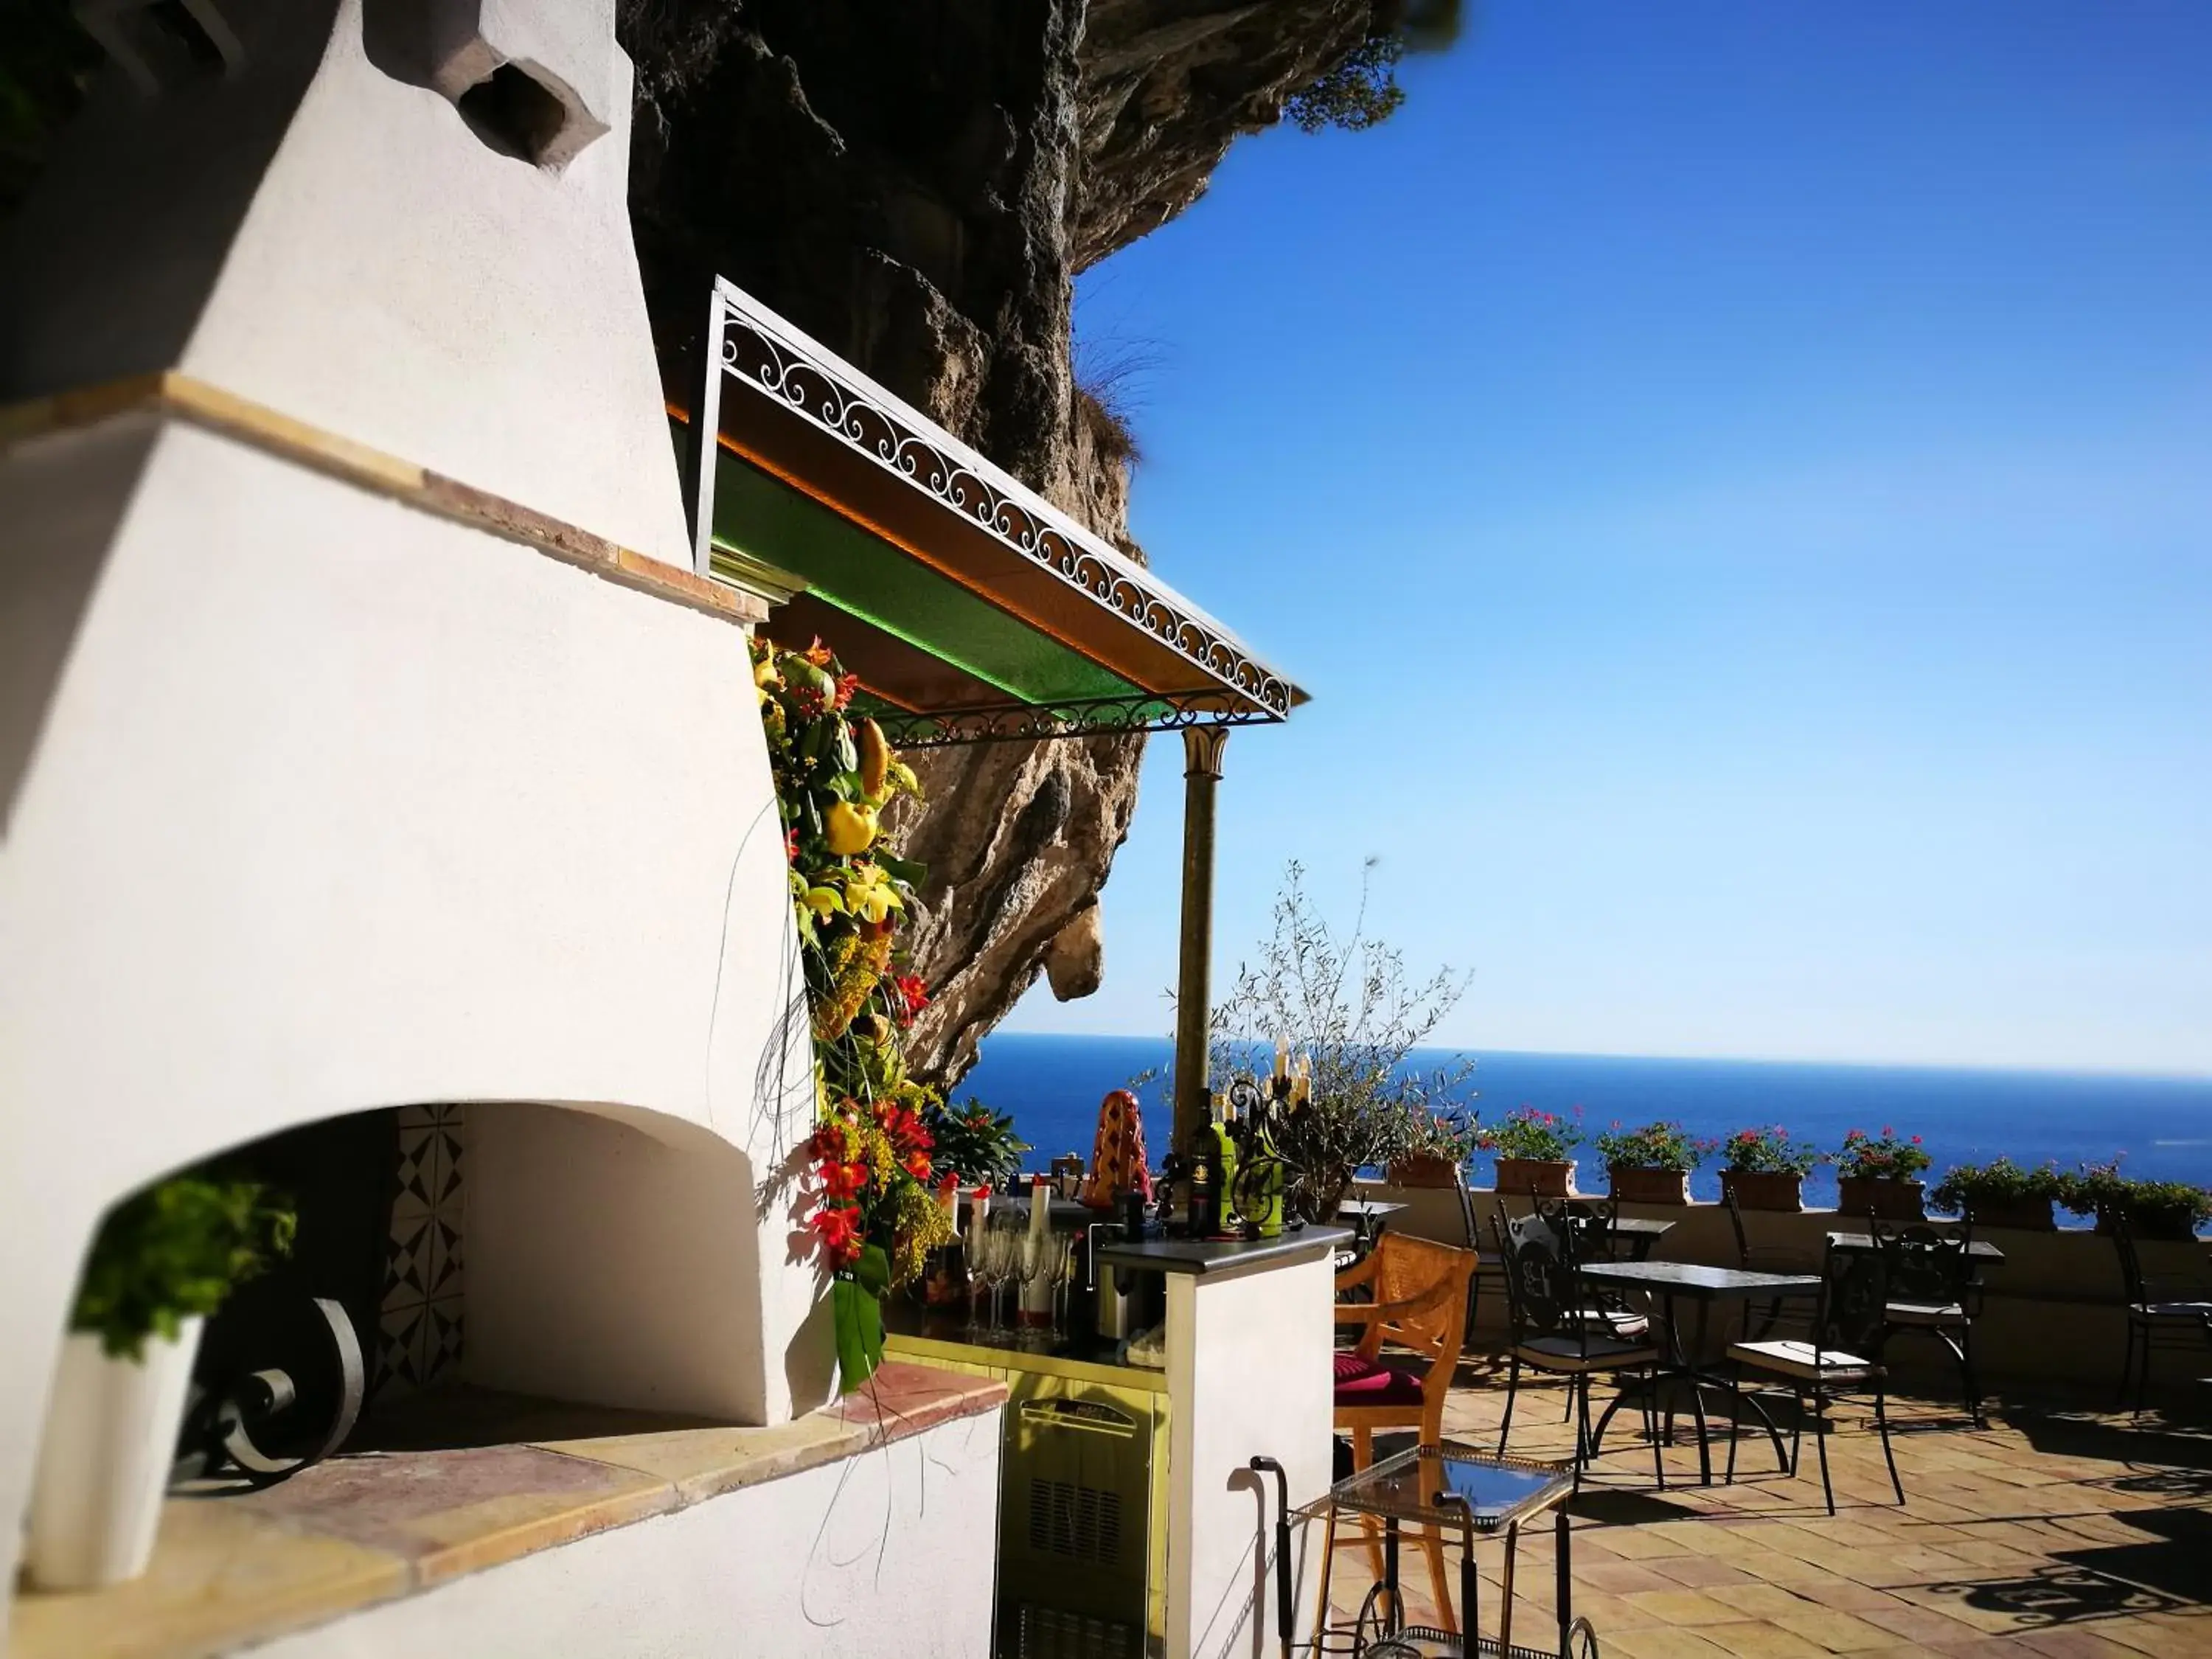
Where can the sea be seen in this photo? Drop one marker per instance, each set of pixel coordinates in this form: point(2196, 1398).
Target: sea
point(2158, 1127)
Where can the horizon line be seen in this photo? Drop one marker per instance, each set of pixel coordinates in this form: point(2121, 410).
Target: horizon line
point(2129, 1074)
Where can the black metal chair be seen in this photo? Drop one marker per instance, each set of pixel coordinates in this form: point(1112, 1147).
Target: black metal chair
point(1760, 1322)
point(1585, 1228)
point(2164, 1311)
point(1836, 1364)
point(1554, 1332)
point(1933, 1291)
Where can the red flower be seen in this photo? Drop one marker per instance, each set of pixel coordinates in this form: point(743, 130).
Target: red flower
point(912, 994)
point(847, 684)
point(791, 847)
point(918, 1166)
point(844, 1180)
point(838, 1228)
point(817, 654)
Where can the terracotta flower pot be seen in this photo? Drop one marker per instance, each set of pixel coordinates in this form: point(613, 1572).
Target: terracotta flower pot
point(1764, 1189)
point(2027, 1215)
point(1536, 1178)
point(1634, 1184)
point(1424, 1170)
point(1885, 1196)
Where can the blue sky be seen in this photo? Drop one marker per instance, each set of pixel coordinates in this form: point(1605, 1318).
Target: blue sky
point(1737, 482)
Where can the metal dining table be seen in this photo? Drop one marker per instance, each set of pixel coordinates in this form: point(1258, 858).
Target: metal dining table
point(1980, 1250)
point(1367, 1217)
point(1664, 1282)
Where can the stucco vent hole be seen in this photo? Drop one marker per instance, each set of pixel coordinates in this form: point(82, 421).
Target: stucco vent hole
point(512, 113)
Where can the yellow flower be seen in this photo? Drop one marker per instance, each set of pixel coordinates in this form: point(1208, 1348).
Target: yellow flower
point(822, 901)
point(868, 894)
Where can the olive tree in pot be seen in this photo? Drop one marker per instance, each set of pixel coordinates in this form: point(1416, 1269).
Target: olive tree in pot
point(1437, 1143)
point(1879, 1174)
point(164, 1259)
point(1764, 1169)
point(1649, 1166)
point(1347, 1003)
point(2000, 1194)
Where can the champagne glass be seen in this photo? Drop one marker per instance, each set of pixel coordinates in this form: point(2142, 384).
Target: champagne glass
point(1005, 1234)
point(1063, 1280)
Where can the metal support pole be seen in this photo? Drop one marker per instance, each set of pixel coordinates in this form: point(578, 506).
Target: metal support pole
point(706, 438)
point(1201, 748)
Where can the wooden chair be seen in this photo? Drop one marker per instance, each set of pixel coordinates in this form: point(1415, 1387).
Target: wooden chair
point(1439, 1207)
point(1419, 1290)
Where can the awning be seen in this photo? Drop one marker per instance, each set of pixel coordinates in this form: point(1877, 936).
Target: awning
point(968, 607)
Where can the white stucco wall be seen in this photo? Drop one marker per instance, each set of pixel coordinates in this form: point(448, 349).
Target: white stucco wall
point(332, 804)
point(1247, 1368)
point(889, 1554)
point(325, 237)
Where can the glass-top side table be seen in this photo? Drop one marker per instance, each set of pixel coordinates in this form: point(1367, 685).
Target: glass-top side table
point(1451, 1489)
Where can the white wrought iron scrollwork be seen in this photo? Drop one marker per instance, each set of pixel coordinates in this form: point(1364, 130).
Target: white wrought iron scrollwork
point(761, 350)
point(1031, 722)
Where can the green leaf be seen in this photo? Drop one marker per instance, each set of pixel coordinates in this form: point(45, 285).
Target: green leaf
point(873, 1270)
point(909, 871)
point(857, 1313)
point(173, 1249)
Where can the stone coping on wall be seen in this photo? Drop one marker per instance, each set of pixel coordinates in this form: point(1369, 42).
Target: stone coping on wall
point(409, 1514)
point(181, 397)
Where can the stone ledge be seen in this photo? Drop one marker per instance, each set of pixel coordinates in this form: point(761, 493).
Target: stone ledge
point(182, 397)
point(371, 1527)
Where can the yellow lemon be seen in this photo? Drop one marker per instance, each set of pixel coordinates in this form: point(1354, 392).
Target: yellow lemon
point(850, 828)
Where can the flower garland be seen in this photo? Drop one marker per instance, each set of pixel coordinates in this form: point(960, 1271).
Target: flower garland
point(876, 1213)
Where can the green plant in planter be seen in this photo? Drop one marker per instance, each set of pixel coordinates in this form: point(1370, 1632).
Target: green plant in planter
point(2102, 1190)
point(1664, 1145)
point(2000, 1181)
point(974, 1142)
point(1768, 1151)
point(1531, 1133)
point(176, 1250)
point(2175, 1201)
point(1885, 1156)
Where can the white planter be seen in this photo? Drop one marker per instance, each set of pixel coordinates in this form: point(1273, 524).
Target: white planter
point(104, 1465)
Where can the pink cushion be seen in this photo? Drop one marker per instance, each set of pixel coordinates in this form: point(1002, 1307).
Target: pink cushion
point(1366, 1382)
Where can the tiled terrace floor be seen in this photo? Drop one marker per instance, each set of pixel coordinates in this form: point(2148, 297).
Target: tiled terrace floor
point(2055, 1533)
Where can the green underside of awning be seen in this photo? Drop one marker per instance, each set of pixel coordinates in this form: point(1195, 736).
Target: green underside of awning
point(858, 573)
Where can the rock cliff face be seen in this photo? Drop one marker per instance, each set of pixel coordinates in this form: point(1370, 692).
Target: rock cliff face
point(915, 182)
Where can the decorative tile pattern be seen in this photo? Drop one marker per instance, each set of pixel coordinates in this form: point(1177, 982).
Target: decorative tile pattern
point(419, 1337)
